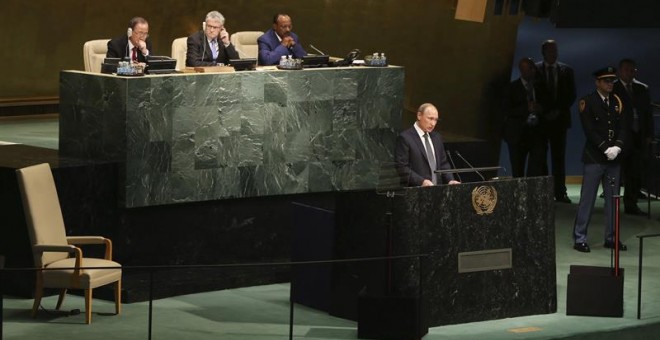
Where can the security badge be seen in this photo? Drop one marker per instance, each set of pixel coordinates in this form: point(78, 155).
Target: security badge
point(619, 107)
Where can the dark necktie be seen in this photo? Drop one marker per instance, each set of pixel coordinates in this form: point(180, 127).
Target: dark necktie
point(635, 122)
point(134, 56)
point(530, 92)
point(431, 157)
point(551, 82)
point(607, 102)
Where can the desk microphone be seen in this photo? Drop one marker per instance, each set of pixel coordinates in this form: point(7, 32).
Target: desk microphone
point(316, 49)
point(470, 165)
point(451, 160)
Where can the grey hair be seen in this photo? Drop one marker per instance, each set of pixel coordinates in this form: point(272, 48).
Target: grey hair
point(215, 15)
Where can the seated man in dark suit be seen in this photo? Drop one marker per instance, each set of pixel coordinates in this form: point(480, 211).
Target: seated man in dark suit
point(135, 45)
point(211, 45)
point(419, 151)
point(279, 41)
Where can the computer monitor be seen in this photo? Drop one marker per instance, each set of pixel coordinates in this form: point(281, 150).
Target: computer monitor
point(315, 60)
point(243, 64)
point(160, 65)
point(109, 65)
point(111, 61)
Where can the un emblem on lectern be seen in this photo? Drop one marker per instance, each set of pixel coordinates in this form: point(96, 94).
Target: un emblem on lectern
point(484, 199)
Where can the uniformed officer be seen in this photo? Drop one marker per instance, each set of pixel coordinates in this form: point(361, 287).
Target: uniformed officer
point(600, 114)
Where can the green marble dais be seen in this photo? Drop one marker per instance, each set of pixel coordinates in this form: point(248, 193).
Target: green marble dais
point(197, 137)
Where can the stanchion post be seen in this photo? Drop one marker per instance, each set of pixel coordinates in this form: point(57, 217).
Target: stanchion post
point(639, 279)
point(291, 310)
point(151, 300)
point(617, 201)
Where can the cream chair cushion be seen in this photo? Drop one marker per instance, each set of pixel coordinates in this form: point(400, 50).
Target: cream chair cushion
point(245, 43)
point(94, 52)
point(179, 51)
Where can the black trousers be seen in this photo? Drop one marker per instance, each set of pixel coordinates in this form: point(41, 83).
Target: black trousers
point(557, 141)
point(632, 168)
point(531, 149)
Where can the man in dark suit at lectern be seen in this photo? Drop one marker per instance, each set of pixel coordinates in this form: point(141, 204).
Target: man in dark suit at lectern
point(420, 151)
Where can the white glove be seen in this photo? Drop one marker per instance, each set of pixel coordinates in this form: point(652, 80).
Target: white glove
point(612, 152)
point(609, 153)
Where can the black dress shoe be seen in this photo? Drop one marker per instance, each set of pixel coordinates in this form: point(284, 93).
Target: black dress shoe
point(582, 247)
point(563, 199)
point(610, 244)
point(634, 210)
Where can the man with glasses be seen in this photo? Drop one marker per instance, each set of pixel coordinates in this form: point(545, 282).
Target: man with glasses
point(211, 45)
point(135, 45)
point(279, 41)
point(602, 122)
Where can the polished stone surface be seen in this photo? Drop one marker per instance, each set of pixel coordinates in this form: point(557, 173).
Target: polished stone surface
point(441, 221)
point(198, 137)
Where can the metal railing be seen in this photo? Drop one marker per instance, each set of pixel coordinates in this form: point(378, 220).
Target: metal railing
point(152, 269)
point(639, 272)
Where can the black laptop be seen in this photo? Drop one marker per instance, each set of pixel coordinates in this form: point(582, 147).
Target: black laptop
point(160, 65)
point(315, 60)
point(243, 64)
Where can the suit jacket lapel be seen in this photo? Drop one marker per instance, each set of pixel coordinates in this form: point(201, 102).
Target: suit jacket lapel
point(418, 142)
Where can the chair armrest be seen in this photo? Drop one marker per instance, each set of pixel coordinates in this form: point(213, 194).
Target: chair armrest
point(82, 240)
point(40, 248)
point(85, 239)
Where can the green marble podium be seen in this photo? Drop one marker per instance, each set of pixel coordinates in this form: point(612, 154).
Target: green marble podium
point(198, 137)
point(491, 248)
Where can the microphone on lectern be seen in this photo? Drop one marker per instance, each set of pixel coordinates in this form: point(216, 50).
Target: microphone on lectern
point(451, 160)
point(470, 165)
point(316, 49)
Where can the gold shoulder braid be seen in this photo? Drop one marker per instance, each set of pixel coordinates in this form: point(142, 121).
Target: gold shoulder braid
point(619, 107)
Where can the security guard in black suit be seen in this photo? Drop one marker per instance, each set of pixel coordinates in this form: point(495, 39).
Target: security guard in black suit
point(638, 118)
point(560, 95)
point(602, 122)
